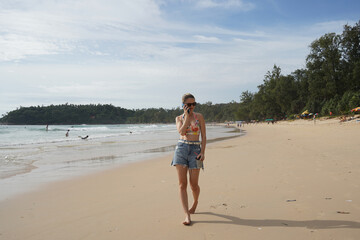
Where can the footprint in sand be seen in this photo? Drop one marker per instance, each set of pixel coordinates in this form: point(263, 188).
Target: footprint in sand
point(219, 205)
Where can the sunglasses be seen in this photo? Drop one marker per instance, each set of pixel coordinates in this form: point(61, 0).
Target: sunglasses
point(191, 104)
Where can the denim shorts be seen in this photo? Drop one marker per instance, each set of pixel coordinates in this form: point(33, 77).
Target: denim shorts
point(186, 153)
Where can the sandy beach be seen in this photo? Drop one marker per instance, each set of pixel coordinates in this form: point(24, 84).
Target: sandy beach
point(290, 180)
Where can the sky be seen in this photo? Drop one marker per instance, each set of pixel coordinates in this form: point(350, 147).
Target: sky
point(147, 53)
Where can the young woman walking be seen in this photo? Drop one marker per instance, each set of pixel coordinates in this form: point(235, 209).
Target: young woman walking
point(189, 153)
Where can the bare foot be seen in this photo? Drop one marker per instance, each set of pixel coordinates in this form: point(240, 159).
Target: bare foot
point(193, 208)
point(187, 220)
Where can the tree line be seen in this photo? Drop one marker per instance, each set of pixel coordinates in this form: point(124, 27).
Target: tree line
point(70, 114)
point(330, 82)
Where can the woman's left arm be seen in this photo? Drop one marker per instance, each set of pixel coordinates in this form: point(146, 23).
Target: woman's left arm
point(203, 136)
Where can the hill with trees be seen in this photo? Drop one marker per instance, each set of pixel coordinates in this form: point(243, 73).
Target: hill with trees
point(109, 114)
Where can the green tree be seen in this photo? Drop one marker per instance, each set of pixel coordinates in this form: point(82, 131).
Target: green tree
point(350, 46)
point(324, 68)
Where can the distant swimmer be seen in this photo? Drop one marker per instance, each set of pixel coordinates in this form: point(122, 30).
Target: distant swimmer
point(67, 133)
point(47, 127)
point(84, 137)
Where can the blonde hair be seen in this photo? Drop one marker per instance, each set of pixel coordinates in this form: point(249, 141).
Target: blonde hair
point(186, 96)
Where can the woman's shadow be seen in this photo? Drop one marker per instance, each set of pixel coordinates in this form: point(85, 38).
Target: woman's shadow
point(312, 224)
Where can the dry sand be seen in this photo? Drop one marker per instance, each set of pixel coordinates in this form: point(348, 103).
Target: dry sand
point(282, 181)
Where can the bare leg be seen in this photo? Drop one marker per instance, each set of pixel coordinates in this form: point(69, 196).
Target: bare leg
point(182, 175)
point(194, 183)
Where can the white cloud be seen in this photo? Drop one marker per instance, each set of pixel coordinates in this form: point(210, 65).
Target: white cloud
point(330, 26)
point(39, 27)
point(205, 39)
point(238, 4)
point(125, 53)
point(13, 46)
point(89, 11)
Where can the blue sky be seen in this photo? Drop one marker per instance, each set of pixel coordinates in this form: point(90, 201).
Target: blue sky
point(147, 53)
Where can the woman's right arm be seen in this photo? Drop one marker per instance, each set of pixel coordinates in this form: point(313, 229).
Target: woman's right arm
point(183, 121)
point(182, 124)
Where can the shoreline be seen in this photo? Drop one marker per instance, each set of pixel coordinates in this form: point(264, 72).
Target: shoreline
point(43, 163)
point(280, 181)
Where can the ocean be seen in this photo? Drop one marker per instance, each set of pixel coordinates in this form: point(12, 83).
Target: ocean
point(31, 155)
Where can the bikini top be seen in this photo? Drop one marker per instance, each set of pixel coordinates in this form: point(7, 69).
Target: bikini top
point(193, 129)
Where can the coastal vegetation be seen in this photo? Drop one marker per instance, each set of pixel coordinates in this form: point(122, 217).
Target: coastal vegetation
point(109, 114)
point(329, 84)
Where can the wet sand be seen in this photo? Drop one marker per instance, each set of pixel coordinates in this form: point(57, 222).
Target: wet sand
point(290, 180)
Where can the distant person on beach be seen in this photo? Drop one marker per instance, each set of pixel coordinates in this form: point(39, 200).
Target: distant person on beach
point(47, 127)
point(67, 133)
point(86, 137)
point(189, 153)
